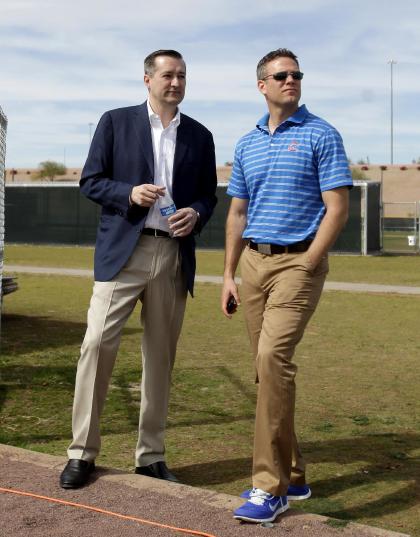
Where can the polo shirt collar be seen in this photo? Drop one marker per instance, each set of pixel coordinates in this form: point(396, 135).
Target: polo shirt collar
point(298, 117)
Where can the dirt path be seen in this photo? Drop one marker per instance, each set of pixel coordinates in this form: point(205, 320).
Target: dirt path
point(205, 512)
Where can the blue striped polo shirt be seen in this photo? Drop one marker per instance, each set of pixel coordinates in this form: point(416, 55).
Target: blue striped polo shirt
point(284, 174)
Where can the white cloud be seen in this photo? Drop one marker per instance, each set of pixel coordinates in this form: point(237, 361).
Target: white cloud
point(63, 63)
point(181, 15)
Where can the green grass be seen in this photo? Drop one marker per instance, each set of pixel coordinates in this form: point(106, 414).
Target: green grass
point(358, 410)
point(397, 270)
point(209, 261)
point(386, 269)
point(396, 241)
point(49, 256)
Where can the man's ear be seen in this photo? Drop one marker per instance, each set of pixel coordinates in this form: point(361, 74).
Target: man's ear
point(146, 79)
point(261, 86)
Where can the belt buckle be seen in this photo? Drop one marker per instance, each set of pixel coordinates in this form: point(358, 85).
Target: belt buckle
point(156, 233)
point(264, 248)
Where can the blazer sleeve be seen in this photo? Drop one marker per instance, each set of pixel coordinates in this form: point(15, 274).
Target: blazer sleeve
point(96, 181)
point(208, 183)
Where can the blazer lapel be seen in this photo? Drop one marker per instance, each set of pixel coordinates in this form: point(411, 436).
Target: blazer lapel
point(142, 128)
point(182, 142)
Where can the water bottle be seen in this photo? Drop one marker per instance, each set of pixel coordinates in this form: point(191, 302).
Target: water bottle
point(166, 204)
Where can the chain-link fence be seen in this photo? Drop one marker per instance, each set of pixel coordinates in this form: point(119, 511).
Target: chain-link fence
point(400, 227)
point(3, 129)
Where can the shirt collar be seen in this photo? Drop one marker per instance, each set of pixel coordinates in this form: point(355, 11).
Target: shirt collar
point(298, 117)
point(155, 118)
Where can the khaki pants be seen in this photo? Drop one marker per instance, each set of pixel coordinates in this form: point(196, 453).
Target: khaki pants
point(279, 294)
point(153, 276)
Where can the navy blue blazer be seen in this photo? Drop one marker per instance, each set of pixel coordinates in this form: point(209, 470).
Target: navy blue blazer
point(120, 157)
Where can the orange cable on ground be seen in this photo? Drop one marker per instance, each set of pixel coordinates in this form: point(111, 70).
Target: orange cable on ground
point(105, 512)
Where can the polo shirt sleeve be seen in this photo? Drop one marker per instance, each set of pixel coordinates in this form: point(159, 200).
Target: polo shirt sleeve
point(237, 185)
point(333, 166)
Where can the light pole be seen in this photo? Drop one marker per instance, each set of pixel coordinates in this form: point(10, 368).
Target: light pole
point(392, 63)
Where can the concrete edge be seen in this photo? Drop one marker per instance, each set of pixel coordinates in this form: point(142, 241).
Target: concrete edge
point(211, 498)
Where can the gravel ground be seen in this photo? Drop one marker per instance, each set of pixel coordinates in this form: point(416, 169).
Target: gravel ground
point(204, 512)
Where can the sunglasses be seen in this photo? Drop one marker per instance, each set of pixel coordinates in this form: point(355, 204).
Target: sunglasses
point(282, 75)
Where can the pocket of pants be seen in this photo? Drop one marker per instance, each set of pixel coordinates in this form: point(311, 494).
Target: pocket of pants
point(321, 268)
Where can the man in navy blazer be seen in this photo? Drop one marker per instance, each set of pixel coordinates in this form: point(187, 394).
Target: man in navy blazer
point(152, 169)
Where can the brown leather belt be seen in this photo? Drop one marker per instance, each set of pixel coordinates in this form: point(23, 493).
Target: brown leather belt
point(155, 232)
point(269, 249)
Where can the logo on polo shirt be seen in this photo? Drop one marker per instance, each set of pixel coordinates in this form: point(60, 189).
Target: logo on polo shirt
point(293, 146)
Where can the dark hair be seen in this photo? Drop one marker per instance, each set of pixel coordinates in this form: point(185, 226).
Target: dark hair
point(273, 55)
point(149, 61)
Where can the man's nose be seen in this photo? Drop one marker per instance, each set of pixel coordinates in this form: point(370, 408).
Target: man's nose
point(175, 81)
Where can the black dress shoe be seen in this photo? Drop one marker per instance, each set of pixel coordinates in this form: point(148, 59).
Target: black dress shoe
point(76, 473)
point(159, 470)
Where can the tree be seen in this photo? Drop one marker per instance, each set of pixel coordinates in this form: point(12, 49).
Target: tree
point(50, 169)
point(358, 174)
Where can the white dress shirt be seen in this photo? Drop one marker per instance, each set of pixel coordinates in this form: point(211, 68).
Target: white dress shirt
point(164, 142)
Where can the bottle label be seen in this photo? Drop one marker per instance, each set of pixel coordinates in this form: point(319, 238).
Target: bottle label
point(168, 210)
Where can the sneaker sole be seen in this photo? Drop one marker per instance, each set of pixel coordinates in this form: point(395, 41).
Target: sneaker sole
point(276, 513)
point(289, 498)
point(297, 498)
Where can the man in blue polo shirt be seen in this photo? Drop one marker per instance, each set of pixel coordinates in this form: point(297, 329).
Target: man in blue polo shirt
point(289, 189)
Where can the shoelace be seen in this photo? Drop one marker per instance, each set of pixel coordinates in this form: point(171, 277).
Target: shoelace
point(258, 496)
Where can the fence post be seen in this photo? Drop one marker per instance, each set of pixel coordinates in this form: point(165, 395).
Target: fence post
point(417, 224)
point(3, 129)
point(364, 218)
point(381, 212)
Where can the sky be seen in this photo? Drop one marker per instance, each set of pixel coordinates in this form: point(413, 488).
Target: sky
point(62, 64)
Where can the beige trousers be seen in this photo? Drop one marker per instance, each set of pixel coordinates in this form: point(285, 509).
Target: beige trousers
point(279, 293)
point(152, 275)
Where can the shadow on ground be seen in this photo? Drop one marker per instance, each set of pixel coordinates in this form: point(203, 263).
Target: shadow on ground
point(27, 333)
point(386, 458)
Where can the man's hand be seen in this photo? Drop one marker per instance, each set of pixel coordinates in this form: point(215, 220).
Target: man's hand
point(337, 209)
point(229, 289)
point(183, 222)
point(146, 195)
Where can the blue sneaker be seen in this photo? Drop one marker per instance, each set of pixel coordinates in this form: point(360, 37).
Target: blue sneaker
point(298, 492)
point(261, 507)
point(294, 492)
